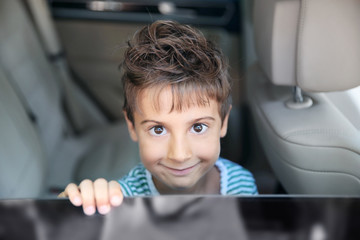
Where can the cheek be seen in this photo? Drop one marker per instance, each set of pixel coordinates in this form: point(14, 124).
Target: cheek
point(151, 150)
point(207, 148)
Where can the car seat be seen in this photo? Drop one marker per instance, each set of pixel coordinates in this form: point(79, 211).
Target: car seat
point(39, 149)
point(22, 160)
point(303, 93)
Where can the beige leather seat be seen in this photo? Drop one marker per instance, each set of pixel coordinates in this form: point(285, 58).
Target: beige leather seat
point(22, 160)
point(43, 153)
point(312, 140)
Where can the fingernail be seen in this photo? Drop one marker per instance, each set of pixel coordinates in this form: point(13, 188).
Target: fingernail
point(89, 210)
point(77, 201)
point(104, 209)
point(115, 201)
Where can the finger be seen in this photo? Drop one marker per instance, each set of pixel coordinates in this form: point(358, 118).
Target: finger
point(87, 195)
point(72, 191)
point(62, 195)
point(102, 195)
point(115, 194)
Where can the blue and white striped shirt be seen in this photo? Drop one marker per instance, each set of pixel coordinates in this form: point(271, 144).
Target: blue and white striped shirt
point(234, 180)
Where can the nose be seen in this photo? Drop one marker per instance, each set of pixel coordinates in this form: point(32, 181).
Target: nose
point(179, 149)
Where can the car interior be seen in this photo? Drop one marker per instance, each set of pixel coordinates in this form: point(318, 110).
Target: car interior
point(304, 95)
point(294, 65)
point(294, 123)
point(63, 110)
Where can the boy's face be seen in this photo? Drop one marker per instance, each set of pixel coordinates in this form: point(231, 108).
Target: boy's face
point(177, 147)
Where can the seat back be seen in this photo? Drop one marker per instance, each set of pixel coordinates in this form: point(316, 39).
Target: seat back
point(25, 64)
point(22, 161)
point(41, 89)
point(313, 146)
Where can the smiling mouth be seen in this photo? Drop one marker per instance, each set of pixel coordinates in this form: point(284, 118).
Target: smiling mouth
point(181, 172)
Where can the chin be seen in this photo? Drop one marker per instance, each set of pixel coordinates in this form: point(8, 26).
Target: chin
point(182, 187)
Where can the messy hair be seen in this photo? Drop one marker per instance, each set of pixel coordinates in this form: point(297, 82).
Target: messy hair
point(168, 54)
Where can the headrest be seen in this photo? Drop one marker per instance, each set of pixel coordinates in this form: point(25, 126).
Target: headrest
point(314, 44)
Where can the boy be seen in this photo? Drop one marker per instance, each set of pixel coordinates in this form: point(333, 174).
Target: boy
point(177, 105)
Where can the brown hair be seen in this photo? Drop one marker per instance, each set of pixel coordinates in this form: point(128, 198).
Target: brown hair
point(166, 53)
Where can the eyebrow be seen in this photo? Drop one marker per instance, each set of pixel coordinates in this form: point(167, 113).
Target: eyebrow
point(203, 118)
point(152, 121)
point(192, 121)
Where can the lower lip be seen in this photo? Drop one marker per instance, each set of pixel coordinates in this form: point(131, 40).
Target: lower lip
point(182, 172)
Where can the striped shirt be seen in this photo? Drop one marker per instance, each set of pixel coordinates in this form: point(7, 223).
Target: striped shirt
point(234, 180)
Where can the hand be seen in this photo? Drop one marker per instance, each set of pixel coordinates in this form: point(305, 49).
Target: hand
point(100, 194)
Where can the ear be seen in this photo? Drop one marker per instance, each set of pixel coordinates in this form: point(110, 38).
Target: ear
point(131, 128)
point(224, 126)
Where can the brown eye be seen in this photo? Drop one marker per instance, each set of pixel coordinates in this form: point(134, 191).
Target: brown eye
point(157, 130)
point(198, 127)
